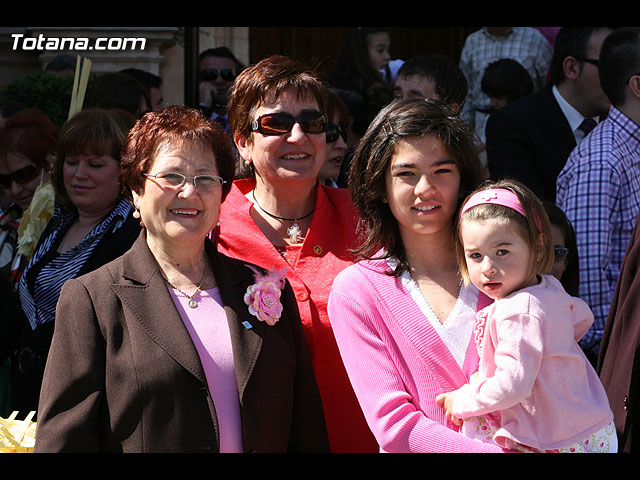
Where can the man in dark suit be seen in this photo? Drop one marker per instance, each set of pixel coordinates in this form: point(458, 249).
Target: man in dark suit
point(531, 138)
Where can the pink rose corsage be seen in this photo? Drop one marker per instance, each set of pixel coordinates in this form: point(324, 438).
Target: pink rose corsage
point(263, 297)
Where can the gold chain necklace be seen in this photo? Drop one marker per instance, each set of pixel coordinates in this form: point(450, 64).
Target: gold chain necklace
point(192, 302)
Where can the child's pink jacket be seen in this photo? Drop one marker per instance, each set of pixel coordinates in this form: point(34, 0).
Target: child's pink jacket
point(532, 376)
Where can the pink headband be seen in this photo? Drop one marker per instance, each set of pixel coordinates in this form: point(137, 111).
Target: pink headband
point(497, 196)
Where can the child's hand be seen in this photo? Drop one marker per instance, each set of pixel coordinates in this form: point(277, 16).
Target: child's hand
point(445, 400)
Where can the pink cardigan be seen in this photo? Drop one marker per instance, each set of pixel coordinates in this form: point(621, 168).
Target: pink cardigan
point(532, 371)
point(397, 362)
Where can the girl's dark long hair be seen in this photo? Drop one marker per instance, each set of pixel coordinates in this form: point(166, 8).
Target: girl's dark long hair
point(398, 121)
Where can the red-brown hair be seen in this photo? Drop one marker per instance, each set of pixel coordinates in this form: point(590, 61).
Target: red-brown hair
point(30, 133)
point(173, 125)
point(264, 82)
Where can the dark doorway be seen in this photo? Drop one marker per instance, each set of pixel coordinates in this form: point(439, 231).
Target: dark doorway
point(320, 45)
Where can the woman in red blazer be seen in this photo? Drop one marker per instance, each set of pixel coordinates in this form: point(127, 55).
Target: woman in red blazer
point(281, 218)
point(174, 347)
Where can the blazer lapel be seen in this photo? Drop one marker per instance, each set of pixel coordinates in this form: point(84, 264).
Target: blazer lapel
point(555, 125)
point(246, 331)
point(143, 290)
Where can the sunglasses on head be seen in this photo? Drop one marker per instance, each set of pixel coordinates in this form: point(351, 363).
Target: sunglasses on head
point(280, 123)
point(20, 176)
point(211, 74)
point(333, 131)
point(560, 254)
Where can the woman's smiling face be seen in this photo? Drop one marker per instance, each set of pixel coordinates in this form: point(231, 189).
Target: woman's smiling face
point(422, 187)
point(177, 215)
point(293, 156)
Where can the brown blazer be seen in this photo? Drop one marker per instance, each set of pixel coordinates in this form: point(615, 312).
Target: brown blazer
point(123, 374)
point(619, 359)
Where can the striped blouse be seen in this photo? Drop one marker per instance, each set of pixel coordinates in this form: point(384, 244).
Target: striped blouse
point(39, 295)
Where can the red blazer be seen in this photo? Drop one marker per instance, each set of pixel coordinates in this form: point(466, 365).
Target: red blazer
point(325, 252)
point(123, 374)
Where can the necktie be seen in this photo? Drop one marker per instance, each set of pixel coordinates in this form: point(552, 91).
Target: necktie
point(587, 125)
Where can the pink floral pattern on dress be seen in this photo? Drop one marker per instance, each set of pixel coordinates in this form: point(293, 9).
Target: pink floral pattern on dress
point(479, 329)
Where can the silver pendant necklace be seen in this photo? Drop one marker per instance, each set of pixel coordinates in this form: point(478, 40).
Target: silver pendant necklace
point(294, 232)
point(192, 303)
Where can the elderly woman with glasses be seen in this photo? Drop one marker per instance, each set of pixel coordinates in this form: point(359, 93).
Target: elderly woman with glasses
point(174, 347)
point(282, 219)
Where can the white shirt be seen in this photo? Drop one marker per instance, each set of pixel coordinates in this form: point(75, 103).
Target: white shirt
point(573, 116)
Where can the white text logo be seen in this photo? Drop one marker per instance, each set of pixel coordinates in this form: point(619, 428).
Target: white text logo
point(76, 43)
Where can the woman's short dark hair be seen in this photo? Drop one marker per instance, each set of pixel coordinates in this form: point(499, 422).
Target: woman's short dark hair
point(92, 131)
point(176, 125)
point(398, 121)
point(266, 81)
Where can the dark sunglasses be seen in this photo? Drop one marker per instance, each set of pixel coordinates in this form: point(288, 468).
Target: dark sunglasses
point(560, 254)
point(333, 131)
point(281, 123)
point(21, 176)
point(227, 74)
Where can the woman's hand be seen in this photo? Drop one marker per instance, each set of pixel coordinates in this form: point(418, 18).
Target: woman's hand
point(445, 400)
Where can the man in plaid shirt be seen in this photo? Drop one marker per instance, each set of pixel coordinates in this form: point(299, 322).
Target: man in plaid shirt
point(599, 187)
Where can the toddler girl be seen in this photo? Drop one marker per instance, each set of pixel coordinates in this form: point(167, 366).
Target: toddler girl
point(534, 390)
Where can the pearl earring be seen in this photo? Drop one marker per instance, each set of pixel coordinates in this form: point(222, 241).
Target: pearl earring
point(136, 212)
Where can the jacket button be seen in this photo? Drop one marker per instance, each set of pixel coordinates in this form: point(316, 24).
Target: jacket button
point(626, 403)
point(303, 296)
point(317, 249)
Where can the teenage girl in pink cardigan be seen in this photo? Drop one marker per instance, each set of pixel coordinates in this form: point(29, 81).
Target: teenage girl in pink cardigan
point(402, 318)
point(534, 391)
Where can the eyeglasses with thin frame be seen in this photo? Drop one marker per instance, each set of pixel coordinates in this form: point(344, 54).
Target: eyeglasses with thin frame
point(177, 180)
point(560, 254)
point(279, 123)
point(211, 74)
point(592, 61)
point(333, 131)
point(21, 176)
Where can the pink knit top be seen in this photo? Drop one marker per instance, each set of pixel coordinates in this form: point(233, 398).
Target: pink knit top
point(209, 330)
